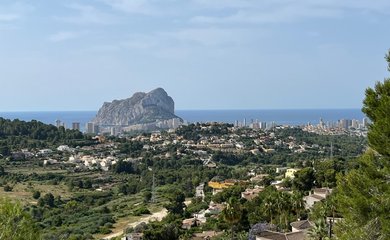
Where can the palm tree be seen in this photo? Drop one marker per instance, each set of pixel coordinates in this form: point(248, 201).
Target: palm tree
point(269, 206)
point(288, 207)
point(297, 203)
point(279, 204)
point(330, 207)
point(232, 213)
point(318, 231)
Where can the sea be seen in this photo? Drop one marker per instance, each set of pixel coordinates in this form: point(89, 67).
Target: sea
point(281, 117)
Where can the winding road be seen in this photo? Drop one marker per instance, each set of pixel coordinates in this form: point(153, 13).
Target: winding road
point(157, 216)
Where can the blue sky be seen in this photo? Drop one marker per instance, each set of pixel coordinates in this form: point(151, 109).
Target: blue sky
point(207, 54)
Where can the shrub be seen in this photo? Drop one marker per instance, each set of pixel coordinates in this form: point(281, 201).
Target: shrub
point(36, 194)
point(104, 230)
point(7, 188)
point(141, 210)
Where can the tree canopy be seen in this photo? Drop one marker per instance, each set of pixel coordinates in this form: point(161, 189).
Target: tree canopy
point(16, 134)
point(363, 193)
point(377, 108)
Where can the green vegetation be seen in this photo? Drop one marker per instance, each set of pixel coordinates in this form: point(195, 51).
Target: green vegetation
point(304, 179)
point(176, 203)
point(17, 134)
point(36, 194)
point(71, 200)
point(15, 223)
point(319, 231)
point(232, 214)
point(65, 204)
point(364, 192)
point(377, 108)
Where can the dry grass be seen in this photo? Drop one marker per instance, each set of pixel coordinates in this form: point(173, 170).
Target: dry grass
point(23, 191)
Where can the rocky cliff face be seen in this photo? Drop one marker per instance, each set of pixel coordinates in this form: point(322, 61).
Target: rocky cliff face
point(139, 109)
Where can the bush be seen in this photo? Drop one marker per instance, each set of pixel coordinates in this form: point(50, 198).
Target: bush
point(104, 230)
point(2, 171)
point(141, 210)
point(7, 188)
point(48, 200)
point(36, 194)
point(147, 196)
point(15, 223)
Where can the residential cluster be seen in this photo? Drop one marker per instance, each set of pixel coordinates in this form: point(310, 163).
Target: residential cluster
point(299, 227)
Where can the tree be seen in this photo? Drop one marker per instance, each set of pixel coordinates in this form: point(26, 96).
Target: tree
point(269, 204)
point(147, 196)
point(7, 188)
point(326, 171)
point(376, 106)
point(283, 205)
point(87, 184)
point(363, 199)
point(176, 203)
point(122, 188)
point(363, 194)
point(318, 231)
point(48, 199)
point(232, 214)
point(123, 167)
point(5, 151)
point(304, 179)
point(15, 223)
point(297, 203)
point(36, 194)
point(267, 180)
point(156, 231)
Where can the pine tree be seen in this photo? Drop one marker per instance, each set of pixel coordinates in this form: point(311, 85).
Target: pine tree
point(377, 108)
point(363, 194)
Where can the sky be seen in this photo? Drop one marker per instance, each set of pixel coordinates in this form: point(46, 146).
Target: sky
point(207, 54)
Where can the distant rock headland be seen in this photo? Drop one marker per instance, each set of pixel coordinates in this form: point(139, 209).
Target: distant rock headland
point(142, 110)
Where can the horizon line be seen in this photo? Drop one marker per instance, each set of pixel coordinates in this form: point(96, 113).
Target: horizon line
point(197, 109)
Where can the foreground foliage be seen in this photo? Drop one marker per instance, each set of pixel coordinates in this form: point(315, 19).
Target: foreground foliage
point(15, 223)
point(363, 196)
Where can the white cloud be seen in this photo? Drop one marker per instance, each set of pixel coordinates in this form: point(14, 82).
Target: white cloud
point(103, 48)
point(225, 11)
point(377, 5)
point(223, 4)
point(202, 37)
point(131, 6)
point(150, 7)
point(9, 17)
point(286, 13)
point(275, 11)
point(87, 14)
point(64, 35)
point(147, 43)
point(211, 36)
point(14, 11)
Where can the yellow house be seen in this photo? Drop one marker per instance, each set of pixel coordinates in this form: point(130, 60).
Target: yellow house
point(290, 172)
point(219, 186)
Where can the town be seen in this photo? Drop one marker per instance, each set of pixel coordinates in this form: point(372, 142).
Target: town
point(210, 162)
